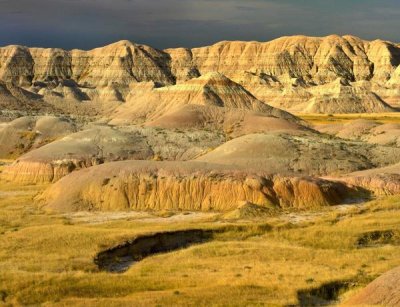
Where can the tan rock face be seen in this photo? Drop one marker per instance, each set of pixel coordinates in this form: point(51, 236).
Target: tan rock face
point(146, 185)
point(288, 69)
point(319, 60)
point(16, 65)
point(51, 64)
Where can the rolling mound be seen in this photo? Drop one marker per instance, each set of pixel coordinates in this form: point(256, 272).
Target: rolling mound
point(30, 132)
point(248, 210)
point(380, 181)
point(300, 154)
point(233, 122)
point(288, 153)
point(347, 99)
point(195, 186)
point(353, 130)
point(13, 97)
point(383, 291)
point(102, 144)
point(365, 130)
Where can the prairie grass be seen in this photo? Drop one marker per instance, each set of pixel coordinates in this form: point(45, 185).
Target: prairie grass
point(47, 259)
point(323, 119)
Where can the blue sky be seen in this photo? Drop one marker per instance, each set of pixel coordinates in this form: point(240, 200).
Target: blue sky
point(172, 23)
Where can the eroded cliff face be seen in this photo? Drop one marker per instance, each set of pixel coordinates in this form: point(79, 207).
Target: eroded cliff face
point(150, 185)
point(313, 59)
point(288, 68)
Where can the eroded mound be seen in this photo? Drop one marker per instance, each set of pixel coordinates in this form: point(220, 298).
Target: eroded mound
point(383, 291)
point(212, 89)
point(366, 130)
point(381, 181)
point(30, 132)
point(102, 144)
point(13, 97)
point(300, 154)
point(248, 210)
point(233, 122)
point(194, 186)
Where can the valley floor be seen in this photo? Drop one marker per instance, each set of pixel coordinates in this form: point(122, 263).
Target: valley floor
point(295, 258)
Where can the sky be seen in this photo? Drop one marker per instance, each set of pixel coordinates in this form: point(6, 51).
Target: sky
point(86, 24)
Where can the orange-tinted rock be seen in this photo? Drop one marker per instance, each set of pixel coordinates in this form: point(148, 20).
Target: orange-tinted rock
point(148, 185)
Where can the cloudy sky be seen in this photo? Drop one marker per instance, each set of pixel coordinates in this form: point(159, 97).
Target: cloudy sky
point(171, 23)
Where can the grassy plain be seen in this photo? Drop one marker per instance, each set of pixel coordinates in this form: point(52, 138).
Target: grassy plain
point(47, 258)
point(324, 119)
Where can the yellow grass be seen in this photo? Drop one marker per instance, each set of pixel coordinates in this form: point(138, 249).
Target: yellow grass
point(324, 119)
point(48, 258)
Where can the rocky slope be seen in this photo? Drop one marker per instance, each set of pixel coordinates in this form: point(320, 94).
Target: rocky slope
point(289, 72)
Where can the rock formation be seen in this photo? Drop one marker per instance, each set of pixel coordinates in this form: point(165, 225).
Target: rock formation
point(289, 72)
point(195, 186)
point(218, 108)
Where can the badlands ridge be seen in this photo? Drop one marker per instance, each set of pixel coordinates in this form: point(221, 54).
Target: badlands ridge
point(130, 127)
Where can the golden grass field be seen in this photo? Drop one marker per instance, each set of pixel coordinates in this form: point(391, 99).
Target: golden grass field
point(48, 259)
point(323, 119)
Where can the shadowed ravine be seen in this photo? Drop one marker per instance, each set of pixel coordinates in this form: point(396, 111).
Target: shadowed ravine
point(325, 295)
point(118, 259)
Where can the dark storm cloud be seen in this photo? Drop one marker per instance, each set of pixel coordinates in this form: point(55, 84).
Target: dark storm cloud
point(169, 23)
